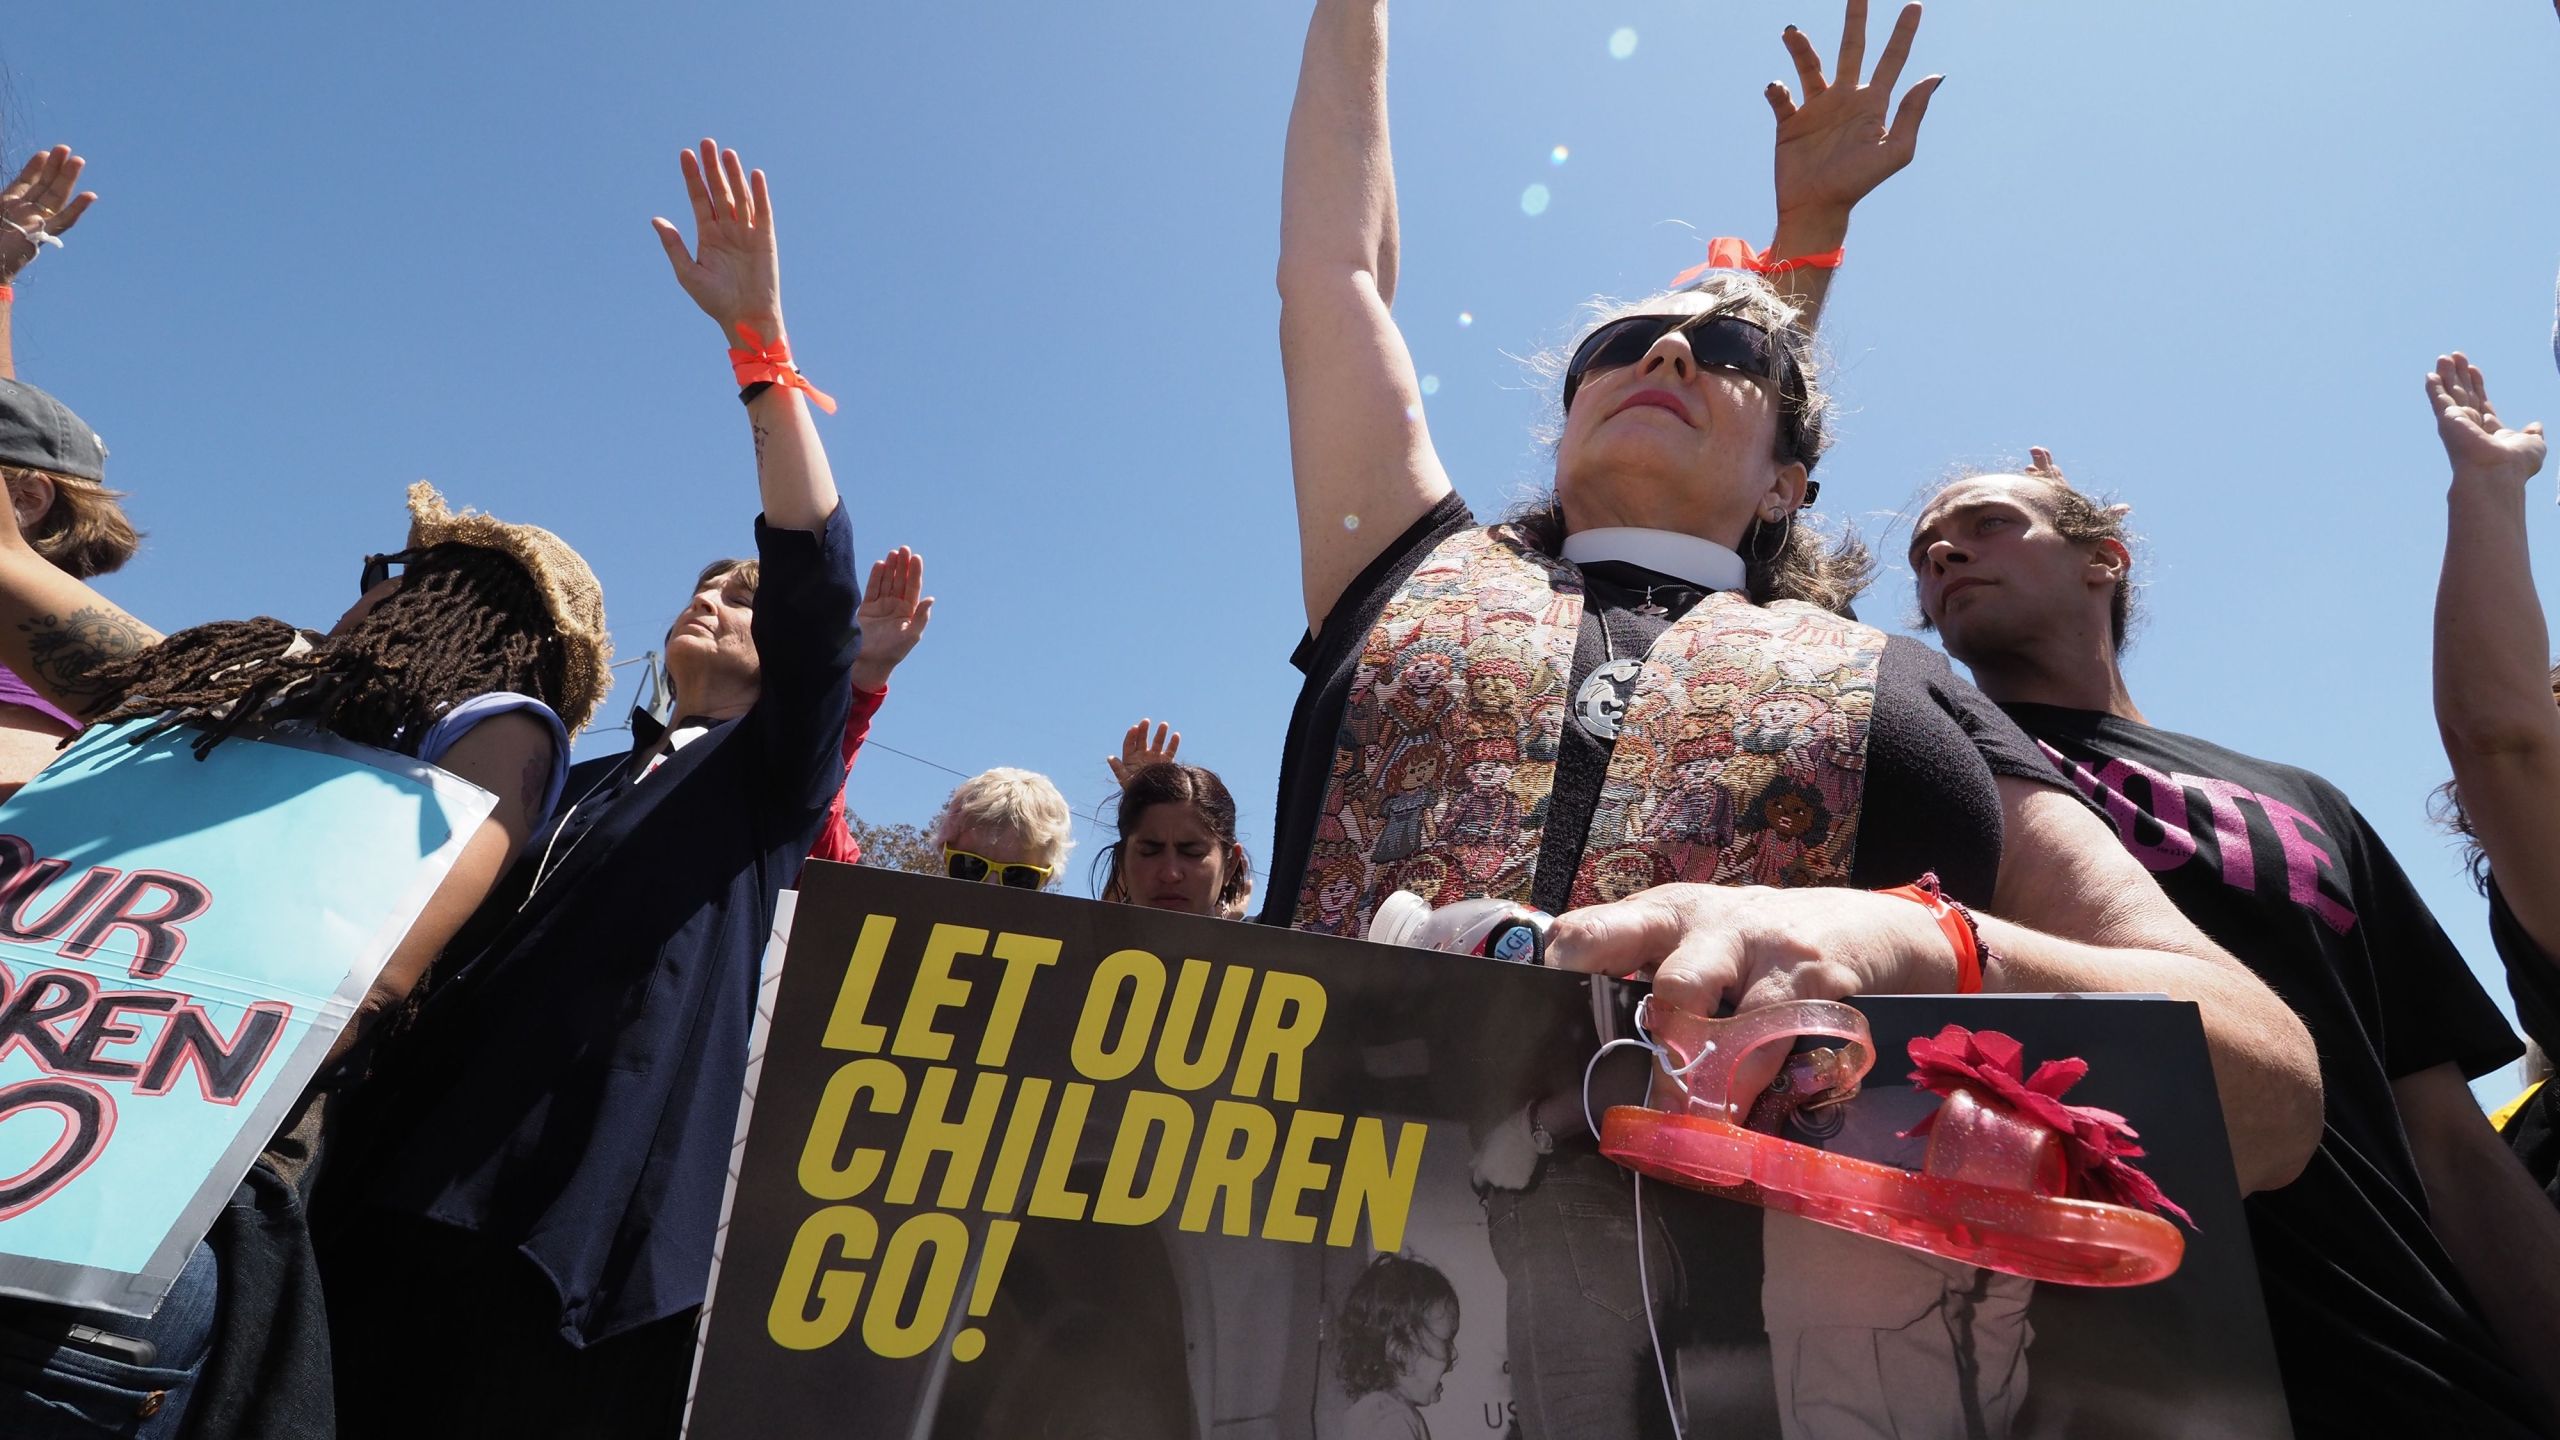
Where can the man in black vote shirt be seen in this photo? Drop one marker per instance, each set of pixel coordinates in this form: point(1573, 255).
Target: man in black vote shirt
point(2412, 1273)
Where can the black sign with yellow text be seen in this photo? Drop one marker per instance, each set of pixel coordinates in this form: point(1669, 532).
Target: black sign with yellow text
point(1023, 1166)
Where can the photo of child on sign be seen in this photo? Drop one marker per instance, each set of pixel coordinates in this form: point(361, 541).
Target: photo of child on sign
point(1017, 1164)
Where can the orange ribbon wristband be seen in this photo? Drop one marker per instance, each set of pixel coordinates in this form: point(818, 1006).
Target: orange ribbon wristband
point(1955, 922)
point(1727, 252)
point(770, 364)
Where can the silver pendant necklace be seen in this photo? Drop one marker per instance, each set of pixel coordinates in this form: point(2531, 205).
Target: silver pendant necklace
point(1602, 701)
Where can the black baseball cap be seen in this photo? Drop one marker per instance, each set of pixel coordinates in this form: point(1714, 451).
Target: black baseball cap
point(38, 432)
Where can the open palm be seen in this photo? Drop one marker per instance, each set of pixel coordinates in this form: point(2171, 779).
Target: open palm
point(2477, 443)
point(892, 616)
point(733, 271)
point(1834, 145)
point(41, 202)
point(1138, 750)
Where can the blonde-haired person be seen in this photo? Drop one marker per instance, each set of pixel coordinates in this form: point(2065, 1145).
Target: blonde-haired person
point(1642, 682)
point(1006, 826)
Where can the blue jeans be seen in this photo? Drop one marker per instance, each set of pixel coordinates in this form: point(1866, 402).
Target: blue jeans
point(73, 1394)
point(1582, 1364)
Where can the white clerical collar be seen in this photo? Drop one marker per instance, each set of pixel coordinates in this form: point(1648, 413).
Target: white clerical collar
point(1700, 562)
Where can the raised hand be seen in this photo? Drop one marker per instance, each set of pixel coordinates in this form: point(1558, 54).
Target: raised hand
point(892, 616)
point(732, 272)
point(1138, 750)
point(2478, 444)
point(39, 204)
point(1833, 144)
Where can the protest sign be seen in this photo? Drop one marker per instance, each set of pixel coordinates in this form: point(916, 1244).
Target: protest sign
point(1021, 1165)
point(181, 941)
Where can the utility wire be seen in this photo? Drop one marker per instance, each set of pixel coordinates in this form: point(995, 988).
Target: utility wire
point(1088, 815)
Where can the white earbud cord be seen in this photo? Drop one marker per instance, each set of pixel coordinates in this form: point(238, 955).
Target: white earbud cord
point(1644, 1281)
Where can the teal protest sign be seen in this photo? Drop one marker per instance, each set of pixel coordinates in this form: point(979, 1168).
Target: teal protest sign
point(181, 941)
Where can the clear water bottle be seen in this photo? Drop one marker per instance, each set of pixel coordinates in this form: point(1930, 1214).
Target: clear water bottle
point(1497, 929)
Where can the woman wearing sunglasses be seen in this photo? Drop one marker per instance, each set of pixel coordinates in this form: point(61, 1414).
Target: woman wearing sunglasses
point(1005, 827)
point(1650, 682)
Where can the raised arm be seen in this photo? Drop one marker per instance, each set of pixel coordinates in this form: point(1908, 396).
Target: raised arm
point(1834, 147)
point(1358, 447)
point(35, 210)
point(2494, 704)
point(735, 275)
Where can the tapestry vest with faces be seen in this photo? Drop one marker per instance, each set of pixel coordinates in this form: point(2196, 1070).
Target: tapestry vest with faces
point(1740, 755)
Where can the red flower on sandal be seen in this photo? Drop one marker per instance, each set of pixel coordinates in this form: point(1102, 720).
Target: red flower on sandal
point(2098, 1146)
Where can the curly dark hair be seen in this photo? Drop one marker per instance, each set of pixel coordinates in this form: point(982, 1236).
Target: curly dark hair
point(464, 621)
point(1381, 1322)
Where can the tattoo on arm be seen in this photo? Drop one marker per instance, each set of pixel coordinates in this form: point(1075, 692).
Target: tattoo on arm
point(761, 432)
point(68, 653)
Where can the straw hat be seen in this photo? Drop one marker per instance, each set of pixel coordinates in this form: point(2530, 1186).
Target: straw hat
point(569, 591)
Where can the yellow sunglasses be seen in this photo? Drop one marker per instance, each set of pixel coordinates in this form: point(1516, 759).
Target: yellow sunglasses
point(965, 865)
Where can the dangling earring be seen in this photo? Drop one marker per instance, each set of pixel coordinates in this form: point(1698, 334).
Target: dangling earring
point(1786, 533)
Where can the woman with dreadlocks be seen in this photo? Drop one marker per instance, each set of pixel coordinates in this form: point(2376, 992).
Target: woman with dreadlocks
point(477, 648)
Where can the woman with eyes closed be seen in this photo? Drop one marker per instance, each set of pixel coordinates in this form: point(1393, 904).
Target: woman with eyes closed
point(1177, 848)
point(1654, 605)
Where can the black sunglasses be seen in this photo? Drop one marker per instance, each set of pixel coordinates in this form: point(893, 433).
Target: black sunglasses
point(1727, 342)
point(378, 568)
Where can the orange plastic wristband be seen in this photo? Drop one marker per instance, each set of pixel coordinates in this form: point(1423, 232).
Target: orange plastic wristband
point(1727, 252)
point(771, 364)
point(1954, 923)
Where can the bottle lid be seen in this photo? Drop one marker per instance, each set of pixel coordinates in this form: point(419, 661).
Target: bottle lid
point(1400, 918)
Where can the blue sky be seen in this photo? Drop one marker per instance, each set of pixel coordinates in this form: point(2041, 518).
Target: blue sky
point(2204, 252)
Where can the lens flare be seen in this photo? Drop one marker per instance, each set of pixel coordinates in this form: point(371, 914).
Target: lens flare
point(1622, 43)
point(1430, 384)
point(1466, 318)
point(1559, 155)
point(1533, 201)
point(1350, 522)
point(1413, 412)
